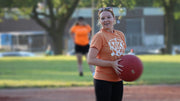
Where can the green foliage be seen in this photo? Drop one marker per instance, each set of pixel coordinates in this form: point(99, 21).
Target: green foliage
point(159, 3)
point(86, 3)
point(17, 8)
point(116, 3)
point(144, 3)
point(17, 3)
point(24, 7)
point(139, 3)
point(107, 3)
point(177, 10)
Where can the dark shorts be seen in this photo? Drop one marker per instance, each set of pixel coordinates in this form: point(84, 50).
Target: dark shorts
point(81, 49)
point(108, 91)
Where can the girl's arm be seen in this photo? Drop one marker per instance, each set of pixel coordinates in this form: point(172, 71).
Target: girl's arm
point(92, 60)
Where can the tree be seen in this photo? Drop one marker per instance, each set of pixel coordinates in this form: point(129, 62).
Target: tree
point(59, 13)
point(171, 9)
point(16, 7)
point(56, 14)
point(168, 24)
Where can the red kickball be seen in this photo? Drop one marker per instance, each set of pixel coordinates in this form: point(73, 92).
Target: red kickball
point(132, 68)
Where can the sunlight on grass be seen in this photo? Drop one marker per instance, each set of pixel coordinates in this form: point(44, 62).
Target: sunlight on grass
point(47, 58)
point(61, 71)
point(160, 58)
point(32, 83)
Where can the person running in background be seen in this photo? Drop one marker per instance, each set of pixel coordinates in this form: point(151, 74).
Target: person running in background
point(107, 47)
point(81, 33)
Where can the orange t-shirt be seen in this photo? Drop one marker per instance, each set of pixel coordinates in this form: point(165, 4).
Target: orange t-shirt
point(111, 47)
point(81, 34)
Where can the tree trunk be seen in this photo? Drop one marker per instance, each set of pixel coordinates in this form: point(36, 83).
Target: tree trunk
point(169, 28)
point(57, 40)
point(57, 43)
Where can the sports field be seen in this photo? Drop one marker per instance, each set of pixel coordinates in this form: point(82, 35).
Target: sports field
point(61, 71)
point(55, 78)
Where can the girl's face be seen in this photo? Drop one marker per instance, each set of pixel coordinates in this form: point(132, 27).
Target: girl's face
point(106, 20)
point(81, 22)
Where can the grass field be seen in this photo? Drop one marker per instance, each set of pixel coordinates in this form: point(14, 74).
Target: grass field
point(61, 71)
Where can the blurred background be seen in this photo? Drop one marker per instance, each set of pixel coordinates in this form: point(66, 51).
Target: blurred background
point(41, 27)
point(36, 50)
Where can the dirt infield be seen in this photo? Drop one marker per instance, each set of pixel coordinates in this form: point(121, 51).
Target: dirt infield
point(131, 93)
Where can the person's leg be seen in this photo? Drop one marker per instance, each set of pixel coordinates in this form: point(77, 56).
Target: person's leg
point(78, 50)
point(79, 60)
point(117, 91)
point(103, 90)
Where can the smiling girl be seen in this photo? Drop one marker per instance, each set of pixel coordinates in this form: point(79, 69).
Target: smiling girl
point(107, 47)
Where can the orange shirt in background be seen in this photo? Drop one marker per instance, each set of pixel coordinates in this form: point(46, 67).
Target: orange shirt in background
point(81, 34)
point(111, 47)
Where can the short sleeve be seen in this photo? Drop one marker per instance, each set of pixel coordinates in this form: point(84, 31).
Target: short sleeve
point(72, 30)
point(89, 28)
point(97, 42)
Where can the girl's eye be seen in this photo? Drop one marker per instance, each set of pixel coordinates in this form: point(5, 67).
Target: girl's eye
point(109, 17)
point(102, 18)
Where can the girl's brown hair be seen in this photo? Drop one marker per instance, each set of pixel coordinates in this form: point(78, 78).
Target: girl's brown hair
point(109, 9)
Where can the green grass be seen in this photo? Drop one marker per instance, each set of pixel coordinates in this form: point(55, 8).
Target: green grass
point(160, 69)
point(61, 71)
